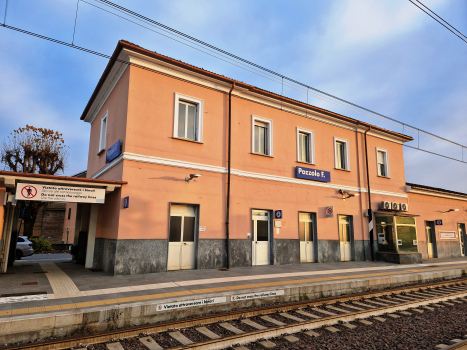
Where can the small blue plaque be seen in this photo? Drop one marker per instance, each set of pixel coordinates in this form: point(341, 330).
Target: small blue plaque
point(278, 214)
point(112, 152)
point(126, 202)
point(438, 222)
point(312, 174)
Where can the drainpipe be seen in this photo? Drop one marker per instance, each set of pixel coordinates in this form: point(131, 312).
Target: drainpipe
point(370, 213)
point(227, 221)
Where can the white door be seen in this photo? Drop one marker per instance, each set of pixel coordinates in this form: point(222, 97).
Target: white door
point(429, 240)
point(260, 248)
point(344, 237)
point(460, 230)
point(305, 224)
point(182, 238)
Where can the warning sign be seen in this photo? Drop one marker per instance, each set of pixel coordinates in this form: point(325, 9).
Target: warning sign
point(53, 193)
point(28, 192)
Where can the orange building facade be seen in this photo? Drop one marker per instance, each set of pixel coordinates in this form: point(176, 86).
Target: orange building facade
point(223, 174)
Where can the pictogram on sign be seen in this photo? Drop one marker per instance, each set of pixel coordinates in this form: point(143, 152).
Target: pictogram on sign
point(28, 191)
point(329, 212)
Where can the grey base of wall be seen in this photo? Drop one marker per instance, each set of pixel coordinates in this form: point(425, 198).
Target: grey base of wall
point(401, 258)
point(423, 249)
point(18, 328)
point(286, 251)
point(448, 249)
point(240, 252)
point(140, 256)
point(130, 256)
point(212, 253)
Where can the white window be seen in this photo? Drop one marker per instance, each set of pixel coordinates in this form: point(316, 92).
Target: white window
point(305, 146)
point(103, 132)
point(341, 154)
point(261, 135)
point(188, 118)
point(382, 162)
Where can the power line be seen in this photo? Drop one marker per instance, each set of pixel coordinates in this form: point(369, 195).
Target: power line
point(264, 74)
point(441, 18)
point(453, 32)
point(148, 69)
point(76, 18)
point(282, 77)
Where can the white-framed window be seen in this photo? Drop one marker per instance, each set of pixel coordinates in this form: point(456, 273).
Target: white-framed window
point(261, 135)
point(188, 118)
point(382, 162)
point(305, 146)
point(341, 154)
point(103, 132)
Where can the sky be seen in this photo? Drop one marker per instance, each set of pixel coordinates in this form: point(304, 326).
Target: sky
point(385, 55)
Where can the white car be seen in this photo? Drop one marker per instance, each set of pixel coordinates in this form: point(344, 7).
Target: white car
point(23, 247)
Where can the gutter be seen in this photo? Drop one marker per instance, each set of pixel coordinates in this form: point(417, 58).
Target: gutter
point(370, 214)
point(229, 160)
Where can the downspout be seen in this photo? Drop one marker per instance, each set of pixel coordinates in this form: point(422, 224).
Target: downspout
point(227, 221)
point(370, 213)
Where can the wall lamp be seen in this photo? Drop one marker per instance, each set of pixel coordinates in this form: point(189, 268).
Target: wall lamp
point(191, 177)
point(347, 194)
point(447, 211)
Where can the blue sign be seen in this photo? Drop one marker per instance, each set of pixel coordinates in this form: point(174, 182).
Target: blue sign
point(278, 214)
point(126, 202)
point(312, 174)
point(438, 222)
point(112, 152)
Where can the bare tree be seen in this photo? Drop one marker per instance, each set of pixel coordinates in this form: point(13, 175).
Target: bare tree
point(35, 151)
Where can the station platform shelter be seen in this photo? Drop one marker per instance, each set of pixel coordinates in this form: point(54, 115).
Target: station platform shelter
point(19, 188)
point(47, 295)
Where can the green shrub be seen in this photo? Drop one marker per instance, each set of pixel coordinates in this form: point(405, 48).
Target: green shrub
point(40, 244)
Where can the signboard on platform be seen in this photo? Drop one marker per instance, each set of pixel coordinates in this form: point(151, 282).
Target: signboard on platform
point(190, 303)
point(250, 296)
point(447, 234)
point(53, 193)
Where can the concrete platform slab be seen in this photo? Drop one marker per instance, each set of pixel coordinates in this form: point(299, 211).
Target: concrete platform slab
point(103, 301)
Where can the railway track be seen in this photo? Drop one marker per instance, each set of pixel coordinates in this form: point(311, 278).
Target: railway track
point(235, 328)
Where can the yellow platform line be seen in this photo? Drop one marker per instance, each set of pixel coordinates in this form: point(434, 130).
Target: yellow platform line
point(208, 290)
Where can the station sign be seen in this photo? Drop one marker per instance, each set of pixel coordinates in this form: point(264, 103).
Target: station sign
point(112, 152)
point(53, 193)
point(190, 303)
point(312, 174)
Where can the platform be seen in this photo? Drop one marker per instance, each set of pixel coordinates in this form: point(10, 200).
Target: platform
point(49, 295)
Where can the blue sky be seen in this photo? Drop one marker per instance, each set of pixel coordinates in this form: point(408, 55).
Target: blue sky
point(386, 55)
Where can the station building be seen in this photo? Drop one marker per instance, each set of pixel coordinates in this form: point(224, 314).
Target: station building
point(215, 173)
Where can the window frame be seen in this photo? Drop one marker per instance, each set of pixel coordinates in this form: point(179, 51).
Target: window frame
point(199, 117)
point(347, 154)
point(103, 132)
point(311, 145)
point(269, 142)
point(386, 165)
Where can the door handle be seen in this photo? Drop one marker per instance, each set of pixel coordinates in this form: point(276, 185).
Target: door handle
point(184, 243)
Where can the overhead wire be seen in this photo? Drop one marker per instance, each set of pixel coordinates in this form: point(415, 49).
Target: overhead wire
point(242, 65)
point(441, 18)
point(374, 115)
point(182, 36)
point(453, 32)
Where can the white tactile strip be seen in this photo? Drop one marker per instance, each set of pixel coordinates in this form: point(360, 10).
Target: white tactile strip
point(5, 300)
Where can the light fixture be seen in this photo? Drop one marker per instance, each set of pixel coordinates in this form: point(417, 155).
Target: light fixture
point(447, 211)
point(191, 177)
point(347, 194)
